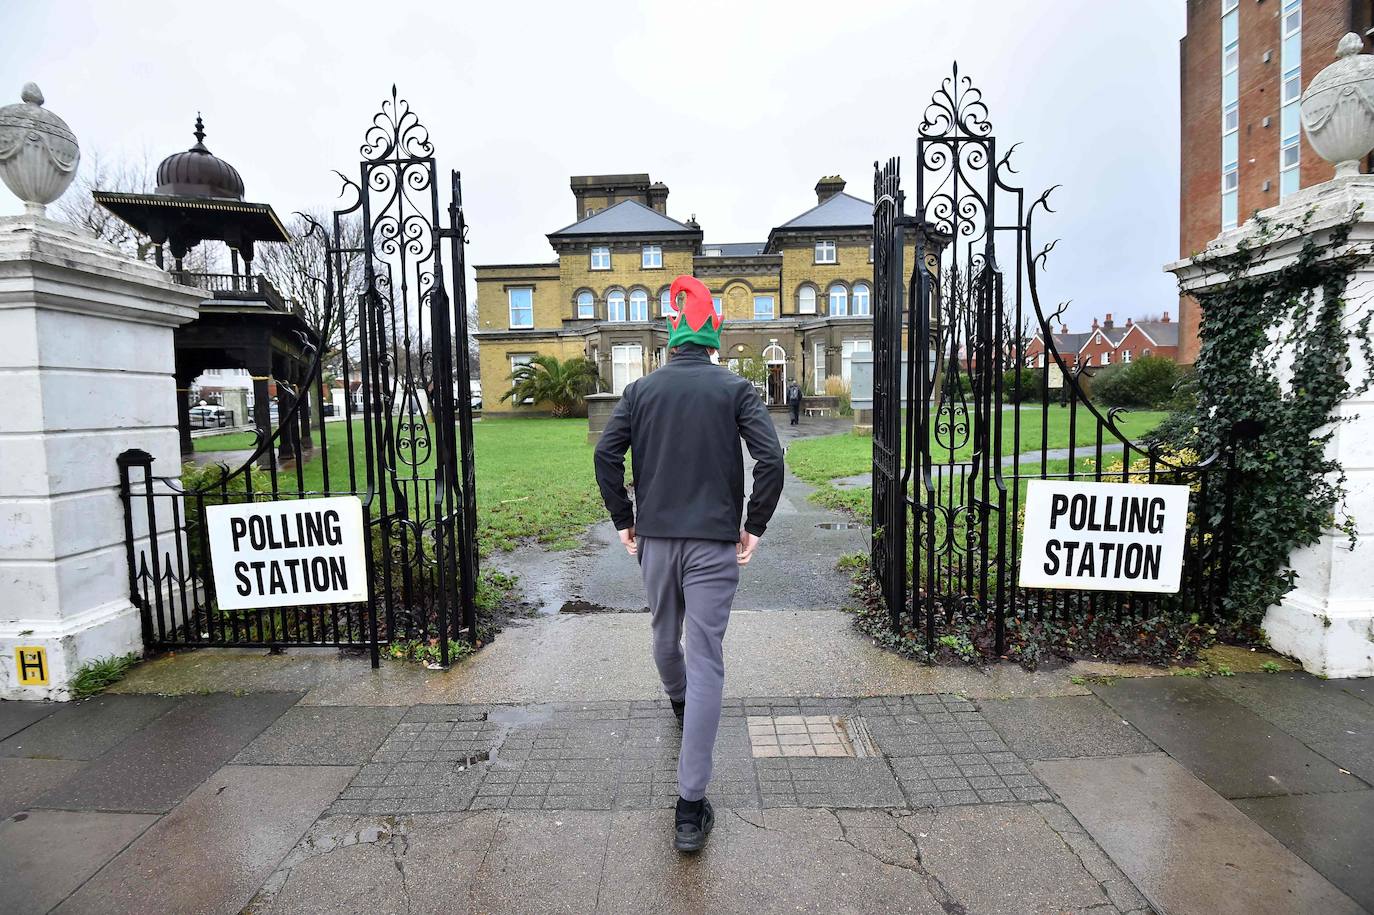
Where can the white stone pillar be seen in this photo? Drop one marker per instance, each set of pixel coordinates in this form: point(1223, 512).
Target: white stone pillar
point(87, 361)
point(1327, 621)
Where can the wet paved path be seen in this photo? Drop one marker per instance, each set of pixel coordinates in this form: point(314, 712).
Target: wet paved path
point(538, 777)
point(794, 568)
point(1240, 794)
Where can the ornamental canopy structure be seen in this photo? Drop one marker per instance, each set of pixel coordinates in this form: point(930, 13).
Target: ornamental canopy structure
point(244, 322)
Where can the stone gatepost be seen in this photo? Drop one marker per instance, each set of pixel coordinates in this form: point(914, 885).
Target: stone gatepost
point(1327, 621)
point(87, 356)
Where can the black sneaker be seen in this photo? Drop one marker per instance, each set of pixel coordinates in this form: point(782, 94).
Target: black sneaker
point(679, 709)
point(693, 822)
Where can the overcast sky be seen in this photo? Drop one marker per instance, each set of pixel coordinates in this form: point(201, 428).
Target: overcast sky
point(737, 106)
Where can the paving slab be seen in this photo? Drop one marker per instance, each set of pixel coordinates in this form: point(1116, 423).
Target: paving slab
point(16, 715)
point(322, 736)
point(1332, 832)
point(47, 854)
point(1004, 859)
point(360, 865)
point(1187, 848)
point(1055, 726)
point(1229, 747)
point(87, 729)
point(156, 768)
point(213, 852)
point(23, 781)
point(1331, 720)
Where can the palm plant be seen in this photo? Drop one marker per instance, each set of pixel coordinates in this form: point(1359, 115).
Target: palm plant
point(561, 384)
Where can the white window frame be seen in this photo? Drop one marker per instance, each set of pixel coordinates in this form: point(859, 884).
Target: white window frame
point(1125, 357)
point(639, 305)
point(651, 257)
point(510, 305)
point(718, 304)
point(1230, 64)
point(867, 300)
point(818, 369)
point(843, 299)
point(802, 304)
point(627, 365)
point(847, 350)
point(1107, 357)
point(600, 258)
point(617, 309)
point(772, 307)
point(521, 359)
point(588, 301)
point(665, 304)
point(826, 252)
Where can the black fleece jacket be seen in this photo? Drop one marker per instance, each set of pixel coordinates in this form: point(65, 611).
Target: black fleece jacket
point(683, 424)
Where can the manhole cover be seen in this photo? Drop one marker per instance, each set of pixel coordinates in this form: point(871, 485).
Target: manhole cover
point(839, 525)
point(809, 735)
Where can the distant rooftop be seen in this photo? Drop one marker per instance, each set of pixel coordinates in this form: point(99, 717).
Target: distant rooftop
point(626, 216)
point(733, 249)
point(839, 211)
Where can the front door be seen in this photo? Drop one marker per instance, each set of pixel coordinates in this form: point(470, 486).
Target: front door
point(777, 385)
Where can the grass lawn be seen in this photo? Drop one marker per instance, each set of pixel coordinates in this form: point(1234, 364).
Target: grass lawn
point(225, 441)
point(534, 477)
point(818, 461)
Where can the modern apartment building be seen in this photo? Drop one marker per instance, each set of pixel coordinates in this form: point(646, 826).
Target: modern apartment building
point(1242, 67)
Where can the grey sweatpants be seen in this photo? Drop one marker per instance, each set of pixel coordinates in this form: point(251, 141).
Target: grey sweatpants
point(690, 584)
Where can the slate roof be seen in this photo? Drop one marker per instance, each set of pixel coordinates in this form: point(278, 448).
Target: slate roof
point(627, 216)
point(1164, 333)
point(733, 249)
point(839, 211)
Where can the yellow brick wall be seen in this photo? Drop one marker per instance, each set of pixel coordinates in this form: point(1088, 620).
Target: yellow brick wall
point(626, 273)
point(799, 266)
point(494, 357)
point(493, 303)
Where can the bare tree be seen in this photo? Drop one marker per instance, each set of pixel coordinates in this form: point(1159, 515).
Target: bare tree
point(100, 172)
point(297, 268)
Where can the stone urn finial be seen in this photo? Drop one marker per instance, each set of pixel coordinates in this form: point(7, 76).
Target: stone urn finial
point(1338, 107)
point(38, 152)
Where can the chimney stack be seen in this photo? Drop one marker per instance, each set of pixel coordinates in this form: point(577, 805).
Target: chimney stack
point(828, 187)
point(1094, 324)
point(1107, 324)
point(1165, 319)
point(1128, 322)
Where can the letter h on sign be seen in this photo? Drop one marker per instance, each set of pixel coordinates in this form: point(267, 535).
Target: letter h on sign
point(32, 665)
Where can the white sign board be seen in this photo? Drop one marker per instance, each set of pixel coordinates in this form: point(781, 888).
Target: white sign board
point(289, 553)
point(1104, 536)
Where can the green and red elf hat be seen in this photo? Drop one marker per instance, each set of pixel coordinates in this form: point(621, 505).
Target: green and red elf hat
point(696, 321)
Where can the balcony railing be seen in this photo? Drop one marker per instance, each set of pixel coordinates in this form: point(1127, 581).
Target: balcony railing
point(235, 287)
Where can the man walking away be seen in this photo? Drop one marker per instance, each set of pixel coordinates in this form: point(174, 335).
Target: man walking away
point(683, 423)
point(794, 399)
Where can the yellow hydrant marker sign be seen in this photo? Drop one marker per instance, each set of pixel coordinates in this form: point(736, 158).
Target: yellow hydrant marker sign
point(1104, 536)
point(287, 553)
point(31, 663)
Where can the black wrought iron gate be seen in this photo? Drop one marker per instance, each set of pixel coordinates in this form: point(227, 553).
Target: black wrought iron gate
point(956, 307)
point(396, 339)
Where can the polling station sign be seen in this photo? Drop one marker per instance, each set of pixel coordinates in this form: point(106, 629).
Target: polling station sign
point(288, 553)
point(1104, 536)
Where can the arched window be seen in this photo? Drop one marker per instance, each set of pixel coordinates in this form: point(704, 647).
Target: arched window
point(861, 306)
point(665, 304)
point(806, 300)
point(639, 305)
point(586, 305)
point(839, 300)
point(615, 306)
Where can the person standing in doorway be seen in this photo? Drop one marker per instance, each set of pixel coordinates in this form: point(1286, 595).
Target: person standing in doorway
point(794, 399)
point(683, 424)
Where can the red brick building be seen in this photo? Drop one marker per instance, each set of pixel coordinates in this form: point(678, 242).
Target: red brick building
point(1109, 343)
point(1242, 67)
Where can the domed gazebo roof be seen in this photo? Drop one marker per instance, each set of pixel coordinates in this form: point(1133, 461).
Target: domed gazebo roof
point(198, 173)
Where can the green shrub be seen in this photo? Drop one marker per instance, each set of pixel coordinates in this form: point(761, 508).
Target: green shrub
point(1147, 383)
point(1029, 390)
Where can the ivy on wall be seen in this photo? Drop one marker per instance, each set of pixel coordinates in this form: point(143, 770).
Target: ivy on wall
point(1275, 355)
